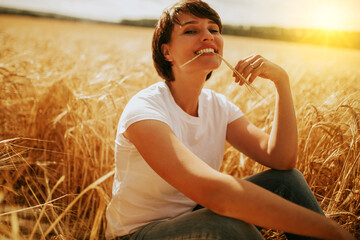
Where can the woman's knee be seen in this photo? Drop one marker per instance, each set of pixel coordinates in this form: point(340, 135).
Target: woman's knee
point(291, 177)
point(272, 179)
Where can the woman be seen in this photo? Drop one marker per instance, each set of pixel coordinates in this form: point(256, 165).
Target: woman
point(170, 144)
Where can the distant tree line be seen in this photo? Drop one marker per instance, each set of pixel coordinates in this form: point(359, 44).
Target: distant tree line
point(139, 22)
point(32, 13)
point(349, 39)
point(333, 38)
point(314, 36)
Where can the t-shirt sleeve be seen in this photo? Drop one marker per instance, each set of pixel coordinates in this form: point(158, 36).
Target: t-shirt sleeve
point(232, 111)
point(142, 107)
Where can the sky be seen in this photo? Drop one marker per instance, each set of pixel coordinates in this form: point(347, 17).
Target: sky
point(327, 14)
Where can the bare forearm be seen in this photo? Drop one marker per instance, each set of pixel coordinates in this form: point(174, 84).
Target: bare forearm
point(246, 201)
point(282, 144)
point(279, 150)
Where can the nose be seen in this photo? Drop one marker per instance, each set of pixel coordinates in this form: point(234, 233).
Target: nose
point(207, 36)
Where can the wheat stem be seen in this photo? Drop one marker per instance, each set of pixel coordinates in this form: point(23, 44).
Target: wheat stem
point(234, 70)
point(191, 60)
point(247, 83)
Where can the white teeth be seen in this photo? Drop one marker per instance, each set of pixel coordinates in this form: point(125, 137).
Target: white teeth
point(206, 50)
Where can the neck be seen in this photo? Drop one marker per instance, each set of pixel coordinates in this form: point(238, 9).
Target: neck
point(186, 91)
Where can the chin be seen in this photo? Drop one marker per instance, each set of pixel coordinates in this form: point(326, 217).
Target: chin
point(207, 66)
point(214, 65)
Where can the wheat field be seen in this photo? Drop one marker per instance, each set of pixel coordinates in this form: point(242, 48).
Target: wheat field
point(64, 84)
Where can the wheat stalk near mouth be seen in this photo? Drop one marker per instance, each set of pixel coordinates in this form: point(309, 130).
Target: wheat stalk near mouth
point(191, 60)
point(247, 83)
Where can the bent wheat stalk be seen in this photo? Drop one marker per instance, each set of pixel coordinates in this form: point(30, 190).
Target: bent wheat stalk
point(247, 83)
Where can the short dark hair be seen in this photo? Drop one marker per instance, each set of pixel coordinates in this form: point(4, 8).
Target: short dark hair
point(165, 25)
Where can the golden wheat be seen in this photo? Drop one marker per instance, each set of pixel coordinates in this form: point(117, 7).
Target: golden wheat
point(64, 85)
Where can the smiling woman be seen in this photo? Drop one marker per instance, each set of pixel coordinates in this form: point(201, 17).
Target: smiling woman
point(100, 67)
point(170, 146)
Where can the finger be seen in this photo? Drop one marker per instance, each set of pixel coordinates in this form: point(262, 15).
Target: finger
point(255, 57)
point(242, 66)
point(257, 60)
point(239, 80)
point(245, 67)
point(243, 63)
point(256, 72)
point(248, 69)
point(236, 77)
point(257, 63)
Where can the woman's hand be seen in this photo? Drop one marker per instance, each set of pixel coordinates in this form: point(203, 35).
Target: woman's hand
point(280, 148)
point(256, 65)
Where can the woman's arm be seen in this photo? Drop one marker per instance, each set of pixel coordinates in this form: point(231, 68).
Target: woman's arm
point(279, 149)
point(219, 192)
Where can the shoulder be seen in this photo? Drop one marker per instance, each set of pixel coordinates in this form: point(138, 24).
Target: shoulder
point(155, 91)
point(210, 96)
point(153, 96)
point(149, 103)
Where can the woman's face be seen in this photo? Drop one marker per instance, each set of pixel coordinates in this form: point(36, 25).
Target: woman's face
point(192, 35)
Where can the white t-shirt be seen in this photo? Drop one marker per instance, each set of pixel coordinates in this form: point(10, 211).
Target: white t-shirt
point(139, 195)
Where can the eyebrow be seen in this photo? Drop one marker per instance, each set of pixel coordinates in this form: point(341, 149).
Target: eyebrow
point(195, 22)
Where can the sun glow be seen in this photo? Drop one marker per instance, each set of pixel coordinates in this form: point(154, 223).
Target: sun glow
point(329, 18)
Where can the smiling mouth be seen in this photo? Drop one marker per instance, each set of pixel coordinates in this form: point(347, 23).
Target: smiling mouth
point(206, 50)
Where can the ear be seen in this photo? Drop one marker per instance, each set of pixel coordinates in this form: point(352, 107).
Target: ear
point(165, 50)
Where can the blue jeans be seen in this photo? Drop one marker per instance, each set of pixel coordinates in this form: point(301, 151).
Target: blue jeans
point(205, 224)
